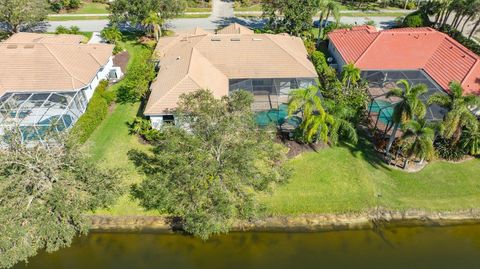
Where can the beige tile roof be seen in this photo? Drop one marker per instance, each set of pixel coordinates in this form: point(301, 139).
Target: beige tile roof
point(208, 61)
point(45, 38)
point(235, 28)
point(37, 67)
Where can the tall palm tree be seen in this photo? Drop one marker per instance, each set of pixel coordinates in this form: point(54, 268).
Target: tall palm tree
point(470, 141)
point(327, 7)
point(459, 115)
point(153, 23)
point(417, 140)
point(350, 75)
point(409, 107)
point(315, 120)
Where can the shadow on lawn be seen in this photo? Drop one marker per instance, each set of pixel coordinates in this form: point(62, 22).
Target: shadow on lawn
point(365, 149)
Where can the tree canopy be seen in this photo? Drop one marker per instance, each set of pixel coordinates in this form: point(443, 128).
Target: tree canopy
point(45, 191)
point(293, 17)
point(208, 168)
point(136, 11)
point(22, 14)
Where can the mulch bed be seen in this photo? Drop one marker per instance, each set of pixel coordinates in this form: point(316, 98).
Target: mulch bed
point(121, 60)
point(295, 148)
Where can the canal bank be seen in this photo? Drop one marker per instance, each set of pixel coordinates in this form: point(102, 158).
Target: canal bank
point(301, 223)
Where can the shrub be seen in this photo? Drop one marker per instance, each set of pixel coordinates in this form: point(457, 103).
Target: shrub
point(415, 20)
point(97, 111)
point(73, 30)
point(143, 127)
point(137, 81)
point(310, 46)
point(448, 150)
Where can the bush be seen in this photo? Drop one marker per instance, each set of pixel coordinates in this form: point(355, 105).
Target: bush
point(448, 150)
point(97, 111)
point(143, 127)
point(416, 19)
point(310, 46)
point(137, 80)
point(73, 30)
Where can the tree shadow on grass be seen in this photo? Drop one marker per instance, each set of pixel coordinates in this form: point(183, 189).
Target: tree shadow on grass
point(365, 150)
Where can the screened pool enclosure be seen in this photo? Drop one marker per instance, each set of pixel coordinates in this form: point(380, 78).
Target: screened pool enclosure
point(271, 97)
point(380, 110)
point(37, 114)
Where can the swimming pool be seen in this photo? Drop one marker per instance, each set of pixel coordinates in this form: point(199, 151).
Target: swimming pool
point(384, 109)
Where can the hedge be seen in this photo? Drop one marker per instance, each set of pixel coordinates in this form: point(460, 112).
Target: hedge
point(96, 112)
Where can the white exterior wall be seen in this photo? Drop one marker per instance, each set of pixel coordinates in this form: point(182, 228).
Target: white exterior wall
point(157, 122)
point(101, 75)
point(336, 55)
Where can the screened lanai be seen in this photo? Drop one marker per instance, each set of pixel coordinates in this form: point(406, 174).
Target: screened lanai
point(39, 113)
point(381, 108)
point(271, 97)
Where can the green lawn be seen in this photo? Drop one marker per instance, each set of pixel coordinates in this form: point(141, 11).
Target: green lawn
point(92, 8)
point(256, 7)
point(76, 18)
point(344, 179)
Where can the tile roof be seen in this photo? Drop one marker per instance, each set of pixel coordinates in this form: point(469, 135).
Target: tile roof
point(440, 56)
point(37, 67)
point(235, 28)
point(208, 61)
point(24, 37)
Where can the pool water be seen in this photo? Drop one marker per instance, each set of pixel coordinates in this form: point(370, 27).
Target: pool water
point(384, 108)
point(272, 116)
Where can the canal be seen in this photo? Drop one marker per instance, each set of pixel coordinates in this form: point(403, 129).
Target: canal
point(399, 247)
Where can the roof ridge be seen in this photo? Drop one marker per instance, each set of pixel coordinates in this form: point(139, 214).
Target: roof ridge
point(288, 52)
point(171, 88)
point(369, 46)
point(62, 65)
point(477, 62)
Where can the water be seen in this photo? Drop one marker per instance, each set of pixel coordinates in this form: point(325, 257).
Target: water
point(419, 247)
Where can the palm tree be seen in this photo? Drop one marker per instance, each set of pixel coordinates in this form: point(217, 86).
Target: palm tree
point(409, 107)
point(153, 23)
point(350, 75)
point(327, 7)
point(459, 115)
point(342, 126)
point(315, 120)
point(417, 140)
point(470, 141)
point(111, 34)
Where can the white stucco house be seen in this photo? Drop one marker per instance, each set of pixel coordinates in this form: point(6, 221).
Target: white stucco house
point(46, 81)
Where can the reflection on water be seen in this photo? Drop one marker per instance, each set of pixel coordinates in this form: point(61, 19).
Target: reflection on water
point(434, 247)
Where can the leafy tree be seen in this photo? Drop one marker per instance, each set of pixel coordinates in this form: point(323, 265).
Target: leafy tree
point(327, 7)
point(45, 193)
point(209, 172)
point(17, 15)
point(111, 34)
point(470, 141)
point(136, 11)
point(293, 17)
point(459, 116)
point(417, 140)
point(409, 107)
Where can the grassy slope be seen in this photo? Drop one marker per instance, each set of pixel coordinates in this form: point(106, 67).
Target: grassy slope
point(346, 179)
point(92, 8)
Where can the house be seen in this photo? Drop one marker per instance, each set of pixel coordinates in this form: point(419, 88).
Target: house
point(47, 80)
point(410, 50)
point(418, 55)
point(234, 58)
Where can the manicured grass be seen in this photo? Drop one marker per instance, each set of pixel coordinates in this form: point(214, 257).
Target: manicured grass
point(193, 16)
point(374, 14)
point(76, 18)
point(347, 179)
point(198, 9)
point(256, 7)
point(92, 8)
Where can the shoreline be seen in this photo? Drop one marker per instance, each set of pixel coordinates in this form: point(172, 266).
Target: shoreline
point(302, 223)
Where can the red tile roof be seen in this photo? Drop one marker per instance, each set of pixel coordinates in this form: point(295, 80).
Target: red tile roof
point(440, 56)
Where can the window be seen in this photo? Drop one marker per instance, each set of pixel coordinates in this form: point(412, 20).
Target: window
point(168, 119)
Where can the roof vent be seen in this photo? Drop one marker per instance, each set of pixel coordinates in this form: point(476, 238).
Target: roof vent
point(216, 39)
point(178, 58)
point(235, 39)
point(12, 46)
point(256, 39)
point(29, 46)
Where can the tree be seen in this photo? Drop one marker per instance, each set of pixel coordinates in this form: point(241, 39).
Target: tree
point(293, 17)
point(417, 140)
point(409, 107)
point(342, 126)
point(19, 15)
point(315, 120)
point(327, 7)
point(470, 141)
point(153, 24)
point(208, 168)
point(137, 81)
point(350, 75)
point(45, 193)
point(136, 11)
point(111, 34)
point(458, 116)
